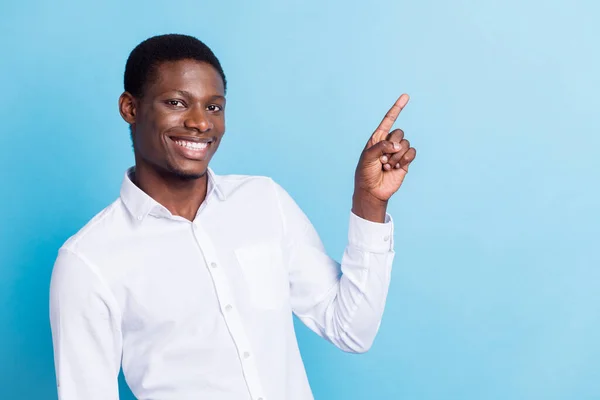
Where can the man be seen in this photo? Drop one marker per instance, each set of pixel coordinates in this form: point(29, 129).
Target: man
point(189, 280)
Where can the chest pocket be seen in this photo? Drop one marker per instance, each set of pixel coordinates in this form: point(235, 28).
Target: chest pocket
point(265, 274)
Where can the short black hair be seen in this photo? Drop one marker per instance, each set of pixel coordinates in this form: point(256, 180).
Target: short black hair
point(146, 56)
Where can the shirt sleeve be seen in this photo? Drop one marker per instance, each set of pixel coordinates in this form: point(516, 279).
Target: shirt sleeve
point(85, 331)
point(344, 302)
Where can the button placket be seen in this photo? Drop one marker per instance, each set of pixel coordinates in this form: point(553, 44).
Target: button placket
point(232, 318)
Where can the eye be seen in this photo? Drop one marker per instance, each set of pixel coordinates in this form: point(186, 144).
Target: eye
point(214, 108)
point(175, 103)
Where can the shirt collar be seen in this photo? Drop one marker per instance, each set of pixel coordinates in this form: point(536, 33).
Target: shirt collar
point(139, 204)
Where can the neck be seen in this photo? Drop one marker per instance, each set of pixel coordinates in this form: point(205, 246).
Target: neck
point(181, 197)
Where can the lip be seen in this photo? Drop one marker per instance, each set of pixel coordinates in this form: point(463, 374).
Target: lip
point(186, 152)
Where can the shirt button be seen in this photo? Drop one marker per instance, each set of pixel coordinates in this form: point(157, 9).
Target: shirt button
point(260, 398)
point(140, 217)
point(246, 354)
point(228, 307)
point(386, 238)
point(213, 264)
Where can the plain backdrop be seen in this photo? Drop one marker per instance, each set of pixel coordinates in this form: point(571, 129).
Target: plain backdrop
point(496, 284)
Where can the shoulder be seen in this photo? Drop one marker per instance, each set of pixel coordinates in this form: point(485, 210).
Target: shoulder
point(101, 228)
point(246, 185)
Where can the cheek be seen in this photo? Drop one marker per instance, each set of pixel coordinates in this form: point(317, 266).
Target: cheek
point(163, 119)
point(154, 128)
point(149, 137)
point(219, 123)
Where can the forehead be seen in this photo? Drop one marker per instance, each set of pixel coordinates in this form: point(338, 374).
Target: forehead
point(186, 75)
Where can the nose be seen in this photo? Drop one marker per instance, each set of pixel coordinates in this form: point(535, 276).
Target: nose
point(197, 118)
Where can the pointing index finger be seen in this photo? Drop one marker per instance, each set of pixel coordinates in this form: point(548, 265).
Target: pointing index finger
point(388, 121)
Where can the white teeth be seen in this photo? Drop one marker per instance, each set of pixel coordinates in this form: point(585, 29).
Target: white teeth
point(191, 145)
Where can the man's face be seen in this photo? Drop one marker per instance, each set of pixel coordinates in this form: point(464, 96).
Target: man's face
point(180, 119)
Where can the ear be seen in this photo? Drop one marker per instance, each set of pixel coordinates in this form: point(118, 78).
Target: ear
point(128, 107)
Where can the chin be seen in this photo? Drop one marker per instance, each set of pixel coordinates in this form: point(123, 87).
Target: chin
point(187, 174)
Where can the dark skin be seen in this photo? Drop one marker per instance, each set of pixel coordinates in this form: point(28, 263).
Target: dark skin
point(382, 166)
point(179, 121)
point(185, 101)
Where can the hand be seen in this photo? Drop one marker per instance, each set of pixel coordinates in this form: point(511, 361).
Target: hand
point(382, 167)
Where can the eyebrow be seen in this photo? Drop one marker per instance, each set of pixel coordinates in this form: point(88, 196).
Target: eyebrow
point(185, 93)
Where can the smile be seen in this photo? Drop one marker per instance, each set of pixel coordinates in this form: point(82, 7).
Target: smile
point(191, 145)
point(191, 148)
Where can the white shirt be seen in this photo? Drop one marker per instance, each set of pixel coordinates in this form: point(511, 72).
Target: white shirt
point(203, 309)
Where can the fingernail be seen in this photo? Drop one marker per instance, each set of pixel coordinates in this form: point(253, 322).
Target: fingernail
point(396, 145)
point(384, 159)
point(397, 165)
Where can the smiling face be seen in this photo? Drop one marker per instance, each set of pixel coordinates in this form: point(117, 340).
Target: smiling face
point(178, 122)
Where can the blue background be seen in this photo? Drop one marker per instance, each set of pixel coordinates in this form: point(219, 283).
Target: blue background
point(496, 283)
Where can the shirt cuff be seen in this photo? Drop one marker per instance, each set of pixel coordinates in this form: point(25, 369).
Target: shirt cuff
point(371, 236)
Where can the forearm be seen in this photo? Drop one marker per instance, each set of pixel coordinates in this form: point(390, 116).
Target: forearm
point(349, 313)
point(357, 310)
